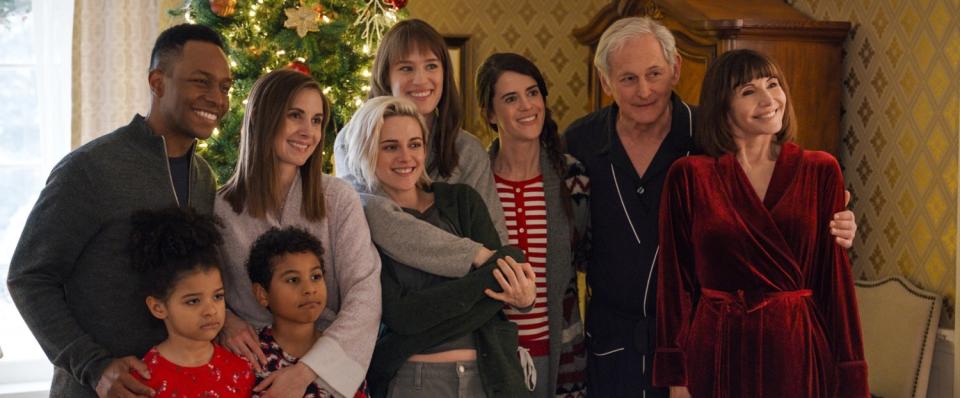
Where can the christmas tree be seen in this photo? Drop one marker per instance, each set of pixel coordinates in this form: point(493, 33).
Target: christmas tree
point(331, 40)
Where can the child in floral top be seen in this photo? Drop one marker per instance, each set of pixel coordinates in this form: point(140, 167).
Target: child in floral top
point(286, 268)
point(176, 253)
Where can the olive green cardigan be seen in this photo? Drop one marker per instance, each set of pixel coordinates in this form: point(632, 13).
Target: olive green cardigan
point(415, 320)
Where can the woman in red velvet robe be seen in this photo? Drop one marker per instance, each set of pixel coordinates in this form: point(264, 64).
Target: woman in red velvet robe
point(755, 298)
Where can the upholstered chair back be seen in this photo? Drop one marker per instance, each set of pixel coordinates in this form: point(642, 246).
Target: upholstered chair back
point(899, 323)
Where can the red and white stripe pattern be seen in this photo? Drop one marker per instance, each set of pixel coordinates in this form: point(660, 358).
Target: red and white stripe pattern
point(526, 214)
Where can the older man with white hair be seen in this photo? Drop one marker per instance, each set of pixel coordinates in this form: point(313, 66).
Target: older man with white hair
point(627, 149)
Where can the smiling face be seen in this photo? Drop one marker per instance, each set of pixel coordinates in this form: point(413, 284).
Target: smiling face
point(757, 108)
point(298, 293)
point(400, 155)
point(192, 95)
point(517, 108)
point(419, 77)
point(641, 81)
point(301, 129)
point(195, 308)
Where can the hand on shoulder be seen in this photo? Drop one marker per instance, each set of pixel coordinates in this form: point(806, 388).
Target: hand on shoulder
point(117, 379)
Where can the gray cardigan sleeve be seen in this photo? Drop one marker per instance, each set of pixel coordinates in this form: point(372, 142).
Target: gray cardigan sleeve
point(63, 221)
point(408, 239)
point(392, 229)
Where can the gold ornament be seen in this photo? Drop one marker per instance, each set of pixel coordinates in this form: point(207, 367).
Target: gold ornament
point(321, 17)
point(303, 19)
point(223, 8)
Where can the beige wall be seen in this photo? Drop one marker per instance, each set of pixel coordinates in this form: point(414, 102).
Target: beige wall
point(538, 29)
point(900, 133)
point(164, 19)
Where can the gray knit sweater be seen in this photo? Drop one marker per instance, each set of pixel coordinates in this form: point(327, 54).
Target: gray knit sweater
point(352, 317)
point(392, 228)
point(71, 276)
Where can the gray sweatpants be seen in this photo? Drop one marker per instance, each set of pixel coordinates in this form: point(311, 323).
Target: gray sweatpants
point(423, 379)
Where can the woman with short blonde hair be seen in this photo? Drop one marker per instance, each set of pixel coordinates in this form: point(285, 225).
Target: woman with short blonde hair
point(443, 336)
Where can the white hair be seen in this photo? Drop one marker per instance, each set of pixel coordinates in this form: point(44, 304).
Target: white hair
point(361, 137)
point(617, 35)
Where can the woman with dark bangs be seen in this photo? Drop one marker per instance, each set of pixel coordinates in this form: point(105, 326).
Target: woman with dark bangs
point(755, 299)
point(413, 62)
point(543, 192)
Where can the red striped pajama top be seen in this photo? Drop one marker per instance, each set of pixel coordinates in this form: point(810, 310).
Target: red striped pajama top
point(526, 215)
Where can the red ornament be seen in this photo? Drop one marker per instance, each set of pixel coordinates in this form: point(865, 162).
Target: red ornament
point(398, 4)
point(223, 8)
point(299, 67)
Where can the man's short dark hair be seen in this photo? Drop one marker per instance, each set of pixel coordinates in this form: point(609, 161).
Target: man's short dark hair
point(275, 243)
point(170, 43)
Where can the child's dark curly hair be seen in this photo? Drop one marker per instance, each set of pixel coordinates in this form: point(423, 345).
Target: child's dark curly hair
point(277, 242)
point(168, 244)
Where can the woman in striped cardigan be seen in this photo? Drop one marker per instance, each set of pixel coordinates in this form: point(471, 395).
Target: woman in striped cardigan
point(544, 196)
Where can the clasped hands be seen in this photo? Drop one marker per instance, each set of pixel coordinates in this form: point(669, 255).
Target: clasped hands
point(518, 282)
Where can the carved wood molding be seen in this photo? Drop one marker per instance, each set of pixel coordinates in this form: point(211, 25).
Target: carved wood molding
point(590, 34)
point(808, 29)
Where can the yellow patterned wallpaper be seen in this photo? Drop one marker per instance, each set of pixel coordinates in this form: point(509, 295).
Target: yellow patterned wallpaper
point(900, 133)
point(540, 30)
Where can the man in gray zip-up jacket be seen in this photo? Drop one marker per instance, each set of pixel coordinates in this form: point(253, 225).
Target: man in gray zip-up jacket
point(71, 276)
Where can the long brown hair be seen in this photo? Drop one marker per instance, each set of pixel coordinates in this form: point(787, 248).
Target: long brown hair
point(405, 38)
point(487, 76)
point(728, 72)
point(253, 185)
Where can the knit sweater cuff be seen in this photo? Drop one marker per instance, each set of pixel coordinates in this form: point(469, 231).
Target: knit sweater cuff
point(333, 367)
point(94, 371)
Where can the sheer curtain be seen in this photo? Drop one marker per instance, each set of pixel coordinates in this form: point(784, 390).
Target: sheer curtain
point(111, 53)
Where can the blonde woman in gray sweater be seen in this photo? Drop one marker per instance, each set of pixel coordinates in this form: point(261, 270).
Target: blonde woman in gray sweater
point(278, 183)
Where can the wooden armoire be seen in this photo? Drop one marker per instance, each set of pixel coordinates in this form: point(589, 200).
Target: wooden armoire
point(809, 52)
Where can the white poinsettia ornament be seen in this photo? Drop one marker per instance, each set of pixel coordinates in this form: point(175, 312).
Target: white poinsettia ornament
point(303, 19)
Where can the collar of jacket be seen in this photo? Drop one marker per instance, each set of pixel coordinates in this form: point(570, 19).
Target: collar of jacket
point(678, 142)
point(152, 147)
point(141, 133)
point(681, 125)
